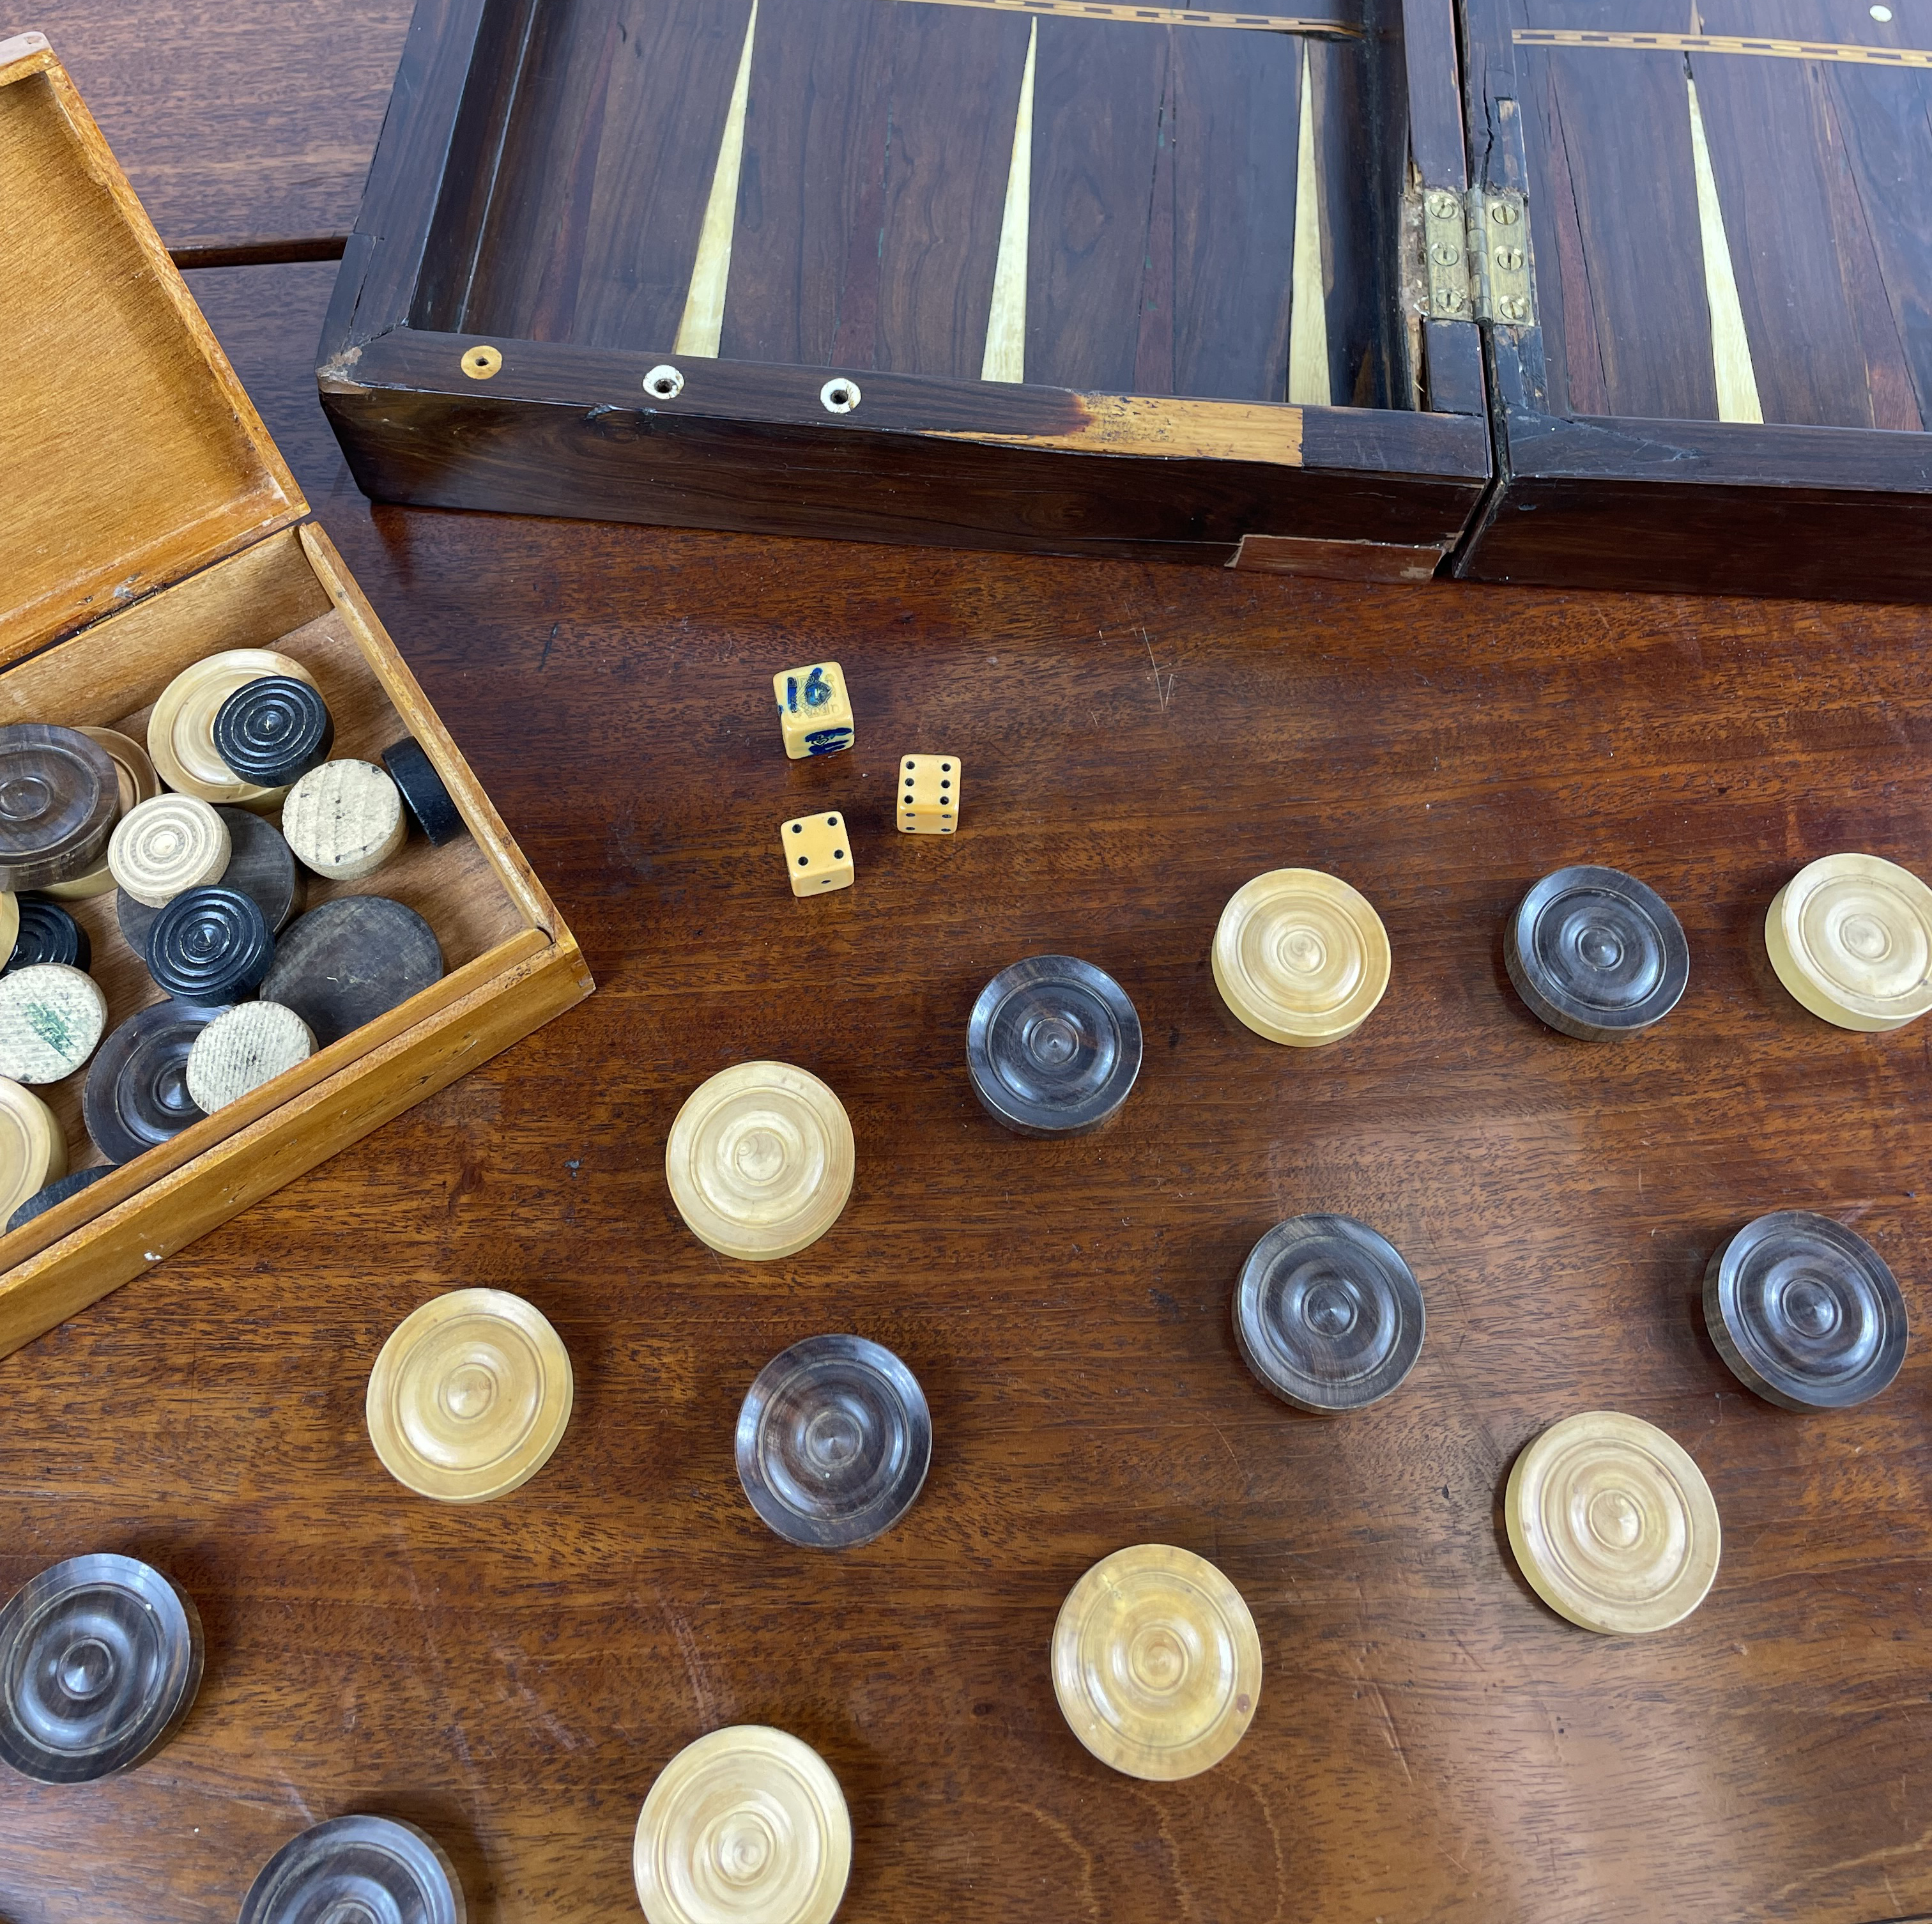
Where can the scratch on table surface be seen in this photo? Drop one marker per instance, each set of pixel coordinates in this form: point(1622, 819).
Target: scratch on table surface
point(687, 1648)
point(1878, 1857)
point(1394, 1736)
point(1165, 691)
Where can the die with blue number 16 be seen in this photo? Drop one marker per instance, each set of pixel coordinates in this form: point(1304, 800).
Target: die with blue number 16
point(814, 711)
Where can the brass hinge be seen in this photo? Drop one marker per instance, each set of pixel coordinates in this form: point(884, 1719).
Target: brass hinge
point(1499, 249)
point(1476, 256)
point(1445, 262)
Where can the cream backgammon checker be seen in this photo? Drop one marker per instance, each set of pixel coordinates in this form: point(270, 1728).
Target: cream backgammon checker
point(344, 820)
point(760, 1160)
point(190, 527)
point(470, 1396)
point(244, 1047)
point(51, 1018)
point(172, 843)
point(1850, 937)
point(746, 1825)
point(181, 732)
point(1301, 957)
point(1613, 1523)
point(136, 781)
point(33, 1146)
point(1156, 1662)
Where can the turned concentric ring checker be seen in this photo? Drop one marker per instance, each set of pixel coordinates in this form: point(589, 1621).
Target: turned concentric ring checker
point(163, 846)
point(136, 1093)
point(43, 932)
point(59, 798)
point(1596, 954)
point(1053, 1046)
point(746, 1825)
point(833, 1442)
point(469, 1397)
point(760, 1160)
point(273, 731)
point(357, 1870)
point(1327, 1314)
point(99, 1660)
point(1850, 937)
point(181, 727)
point(1805, 1312)
point(136, 783)
point(1156, 1662)
point(1612, 1524)
point(1301, 957)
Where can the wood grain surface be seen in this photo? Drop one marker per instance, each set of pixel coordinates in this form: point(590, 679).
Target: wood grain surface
point(1433, 1742)
point(246, 128)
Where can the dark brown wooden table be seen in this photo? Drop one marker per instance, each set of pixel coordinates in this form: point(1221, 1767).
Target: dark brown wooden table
point(1431, 1743)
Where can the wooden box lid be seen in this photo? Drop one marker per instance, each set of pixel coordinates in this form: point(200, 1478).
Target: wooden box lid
point(131, 455)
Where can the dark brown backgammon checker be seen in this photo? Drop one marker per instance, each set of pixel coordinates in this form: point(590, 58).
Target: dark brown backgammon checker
point(1805, 1311)
point(351, 959)
point(1053, 1046)
point(357, 1870)
point(834, 1441)
point(137, 1095)
point(100, 1660)
point(140, 596)
point(1327, 1314)
point(59, 798)
point(1596, 954)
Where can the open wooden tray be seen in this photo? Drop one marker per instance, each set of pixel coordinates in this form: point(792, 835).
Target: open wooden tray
point(183, 520)
point(1728, 385)
point(1083, 277)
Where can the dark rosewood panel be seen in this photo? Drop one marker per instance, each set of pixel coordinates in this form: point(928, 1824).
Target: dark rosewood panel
point(606, 167)
point(877, 140)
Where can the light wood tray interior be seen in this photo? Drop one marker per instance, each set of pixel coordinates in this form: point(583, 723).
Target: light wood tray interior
point(111, 676)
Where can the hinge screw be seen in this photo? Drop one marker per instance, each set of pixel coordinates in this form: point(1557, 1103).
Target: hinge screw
point(1513, 307)
point(1509, 259)
point(1443, 206)
point(1448, 298)
point(1503, 214)
point(1445, 254)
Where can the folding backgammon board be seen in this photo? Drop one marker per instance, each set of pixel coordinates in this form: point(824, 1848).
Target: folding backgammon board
point(1225, 286)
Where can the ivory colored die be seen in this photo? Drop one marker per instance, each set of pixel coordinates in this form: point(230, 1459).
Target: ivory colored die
point(815, 710)
point(817, 854)
point(929, 786)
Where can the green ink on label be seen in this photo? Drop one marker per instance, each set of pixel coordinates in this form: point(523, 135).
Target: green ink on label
point(51, 1027)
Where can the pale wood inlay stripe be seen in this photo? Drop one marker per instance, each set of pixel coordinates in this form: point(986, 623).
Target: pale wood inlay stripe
point(1730, 350)
point(1764, 49)
point(1308, 304)
point(1005, 358)
point(704, 322)
point(1165, 16)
